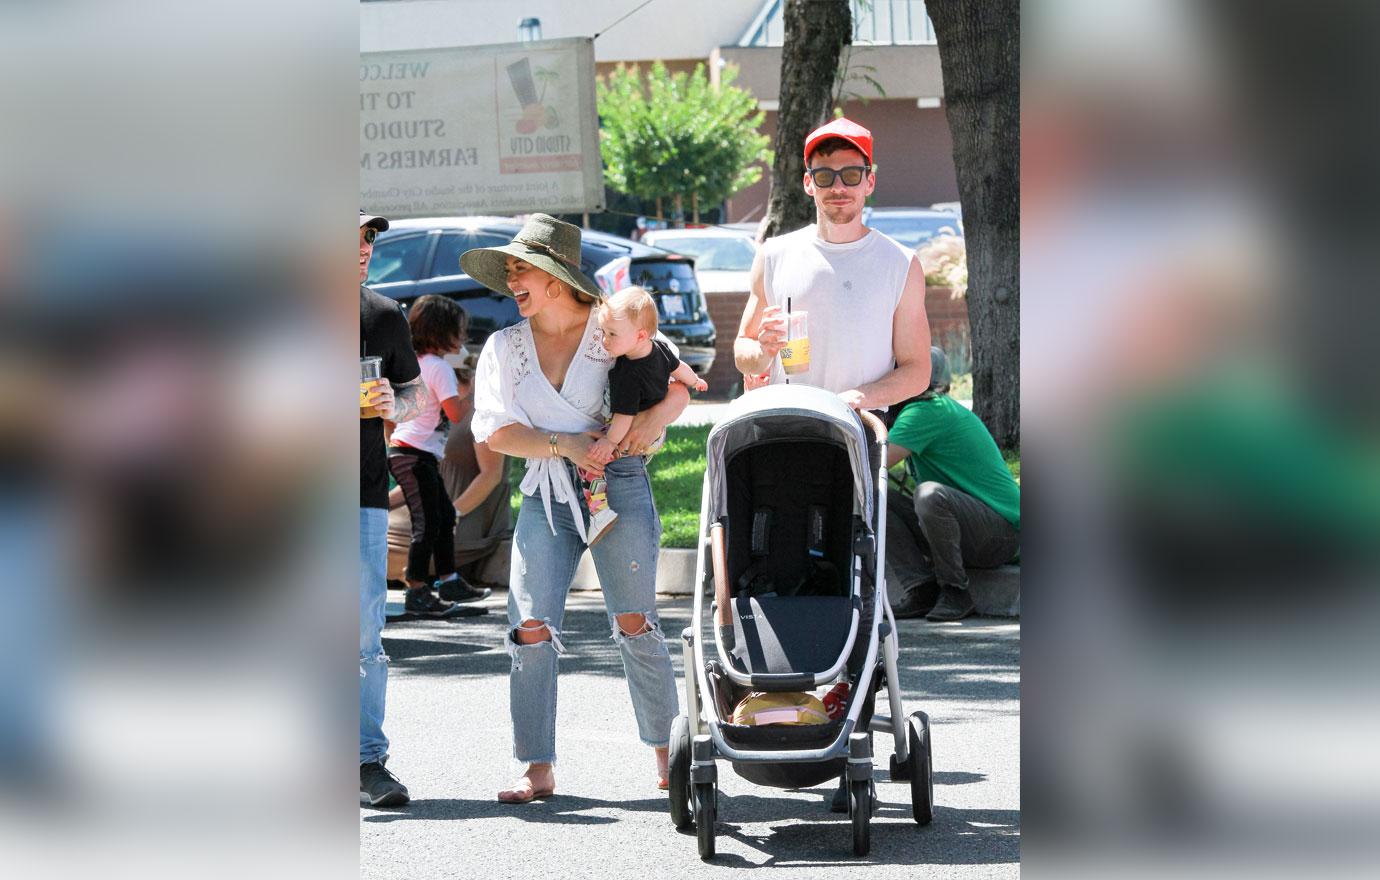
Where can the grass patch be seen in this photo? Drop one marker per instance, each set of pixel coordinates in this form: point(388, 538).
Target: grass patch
point(677, 473)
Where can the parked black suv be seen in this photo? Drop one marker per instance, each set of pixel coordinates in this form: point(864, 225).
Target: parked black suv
point(417, 257)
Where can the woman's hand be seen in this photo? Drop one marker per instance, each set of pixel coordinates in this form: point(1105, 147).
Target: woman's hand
point(582, 449)
point(603, 450)
point(649, 424)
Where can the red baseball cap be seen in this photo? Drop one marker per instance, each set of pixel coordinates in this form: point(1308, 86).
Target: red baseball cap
point(846, 129)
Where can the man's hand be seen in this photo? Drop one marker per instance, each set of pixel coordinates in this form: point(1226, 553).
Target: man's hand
point(753, 381)
point(771, 331)
point(380, 398)
point(854, 398)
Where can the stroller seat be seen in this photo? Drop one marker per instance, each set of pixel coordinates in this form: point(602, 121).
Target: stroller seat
point(789, 560)
point(789, 634)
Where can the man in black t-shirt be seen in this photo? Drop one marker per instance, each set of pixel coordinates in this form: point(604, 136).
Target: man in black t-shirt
point(383, 333)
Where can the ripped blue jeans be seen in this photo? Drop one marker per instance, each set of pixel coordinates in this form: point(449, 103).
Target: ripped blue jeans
point(543, 568)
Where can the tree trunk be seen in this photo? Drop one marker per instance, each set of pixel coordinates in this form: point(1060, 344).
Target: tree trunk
point(979, 54)
point(695, 207)
point(816, 32)
point(680, 211)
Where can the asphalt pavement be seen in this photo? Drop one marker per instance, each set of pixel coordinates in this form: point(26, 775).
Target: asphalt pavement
point(451, 744)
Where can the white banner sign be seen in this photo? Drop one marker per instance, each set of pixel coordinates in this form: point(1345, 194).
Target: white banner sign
point(505, 129)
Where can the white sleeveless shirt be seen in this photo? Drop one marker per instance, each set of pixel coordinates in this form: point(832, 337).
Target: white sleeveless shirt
point(851, 292)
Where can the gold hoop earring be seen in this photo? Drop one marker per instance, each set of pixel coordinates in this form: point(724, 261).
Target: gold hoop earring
point(558, 290)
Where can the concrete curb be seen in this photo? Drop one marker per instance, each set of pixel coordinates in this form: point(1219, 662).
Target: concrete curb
point(996, 592)
point(675, 573)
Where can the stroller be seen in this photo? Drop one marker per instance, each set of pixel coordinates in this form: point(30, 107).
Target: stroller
point(792, 531)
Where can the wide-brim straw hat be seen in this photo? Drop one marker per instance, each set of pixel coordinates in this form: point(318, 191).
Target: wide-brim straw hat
point(549, 244)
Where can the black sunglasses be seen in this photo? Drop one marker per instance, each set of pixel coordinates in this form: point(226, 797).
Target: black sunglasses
point(852, 175)
point(369, 233)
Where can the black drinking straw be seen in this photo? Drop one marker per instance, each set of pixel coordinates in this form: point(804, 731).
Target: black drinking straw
point(788, 337)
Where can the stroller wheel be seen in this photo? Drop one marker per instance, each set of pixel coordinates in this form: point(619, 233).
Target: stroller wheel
point(706, 813)
point(679, 755)
point(900, 770)
point(921, 778)
point(860, 809)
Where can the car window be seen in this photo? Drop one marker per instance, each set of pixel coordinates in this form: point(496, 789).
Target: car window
point(398, 259)
point(487, 313)
point(453, 244)
point(913, 231)
point(722, 254)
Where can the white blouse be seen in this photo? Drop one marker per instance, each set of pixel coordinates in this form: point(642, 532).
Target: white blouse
point(510, 388)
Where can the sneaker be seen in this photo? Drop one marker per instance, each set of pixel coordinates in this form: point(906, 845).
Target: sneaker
point(600, 523)
point(425, 603)
point(916, 603)
point(380, 788)
point(457, 589)
point(954, 604)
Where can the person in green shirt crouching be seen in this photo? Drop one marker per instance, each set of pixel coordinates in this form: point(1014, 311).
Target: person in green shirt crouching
point(966, 511)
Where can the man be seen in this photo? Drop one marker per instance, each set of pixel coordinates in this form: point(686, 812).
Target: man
point(398, 397)
point(966, 510)
point(864, 293)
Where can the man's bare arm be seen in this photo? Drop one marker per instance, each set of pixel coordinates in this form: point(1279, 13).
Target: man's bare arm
point(910, 342)
point(896, 454)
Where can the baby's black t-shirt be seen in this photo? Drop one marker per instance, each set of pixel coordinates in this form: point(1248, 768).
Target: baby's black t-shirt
point(637, 385)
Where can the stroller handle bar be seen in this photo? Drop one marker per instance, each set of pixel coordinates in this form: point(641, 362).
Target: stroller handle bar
point(875, 425)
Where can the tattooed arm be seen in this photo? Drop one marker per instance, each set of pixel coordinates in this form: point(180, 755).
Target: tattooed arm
point(401, 404)
point(408, 400)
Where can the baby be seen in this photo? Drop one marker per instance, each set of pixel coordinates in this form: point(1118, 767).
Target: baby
point(637, 381)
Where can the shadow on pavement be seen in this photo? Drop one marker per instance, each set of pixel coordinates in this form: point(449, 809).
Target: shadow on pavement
point(563, 809)
point(975, 660)
point(955, 837)
point(957, 777)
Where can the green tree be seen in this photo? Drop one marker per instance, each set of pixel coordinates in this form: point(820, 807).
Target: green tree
point(678, 136)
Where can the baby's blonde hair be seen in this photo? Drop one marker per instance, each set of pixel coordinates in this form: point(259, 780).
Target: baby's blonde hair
point(632, 304)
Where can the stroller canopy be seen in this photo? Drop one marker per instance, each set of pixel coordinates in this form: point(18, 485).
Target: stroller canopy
point(783, 413)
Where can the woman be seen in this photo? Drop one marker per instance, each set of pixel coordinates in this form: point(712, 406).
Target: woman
point(477, 478)
point(540, 392)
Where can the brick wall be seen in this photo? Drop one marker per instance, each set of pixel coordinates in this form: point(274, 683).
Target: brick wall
point(726, 311)
point(948, 329)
